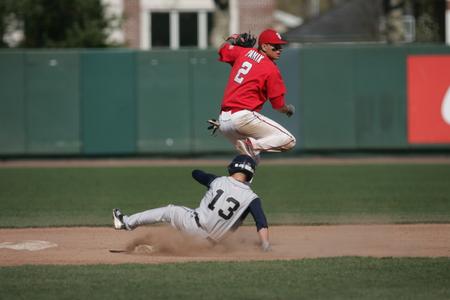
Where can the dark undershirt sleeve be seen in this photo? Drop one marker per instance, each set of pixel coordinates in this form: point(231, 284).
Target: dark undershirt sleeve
point(255, 209)
point(203, 178)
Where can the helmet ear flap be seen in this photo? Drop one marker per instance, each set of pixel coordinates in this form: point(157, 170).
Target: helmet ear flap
point(243, 164)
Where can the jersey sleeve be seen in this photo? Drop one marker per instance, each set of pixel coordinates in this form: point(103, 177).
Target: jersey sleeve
point(203, 178)
point(277, 102)
point(257, 212)
point(229, 53)
point(276, 89)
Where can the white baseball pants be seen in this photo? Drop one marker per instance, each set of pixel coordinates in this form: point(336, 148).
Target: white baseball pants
point(180, 217)
point(265, 134)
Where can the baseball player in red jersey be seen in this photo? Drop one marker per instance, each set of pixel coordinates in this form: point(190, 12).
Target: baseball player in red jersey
point(254, 79)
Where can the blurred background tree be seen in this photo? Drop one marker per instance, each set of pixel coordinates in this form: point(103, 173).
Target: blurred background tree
point(57, 24)
point(85, 23)
point(430, 20)
point(429, 15)
point(6, 11)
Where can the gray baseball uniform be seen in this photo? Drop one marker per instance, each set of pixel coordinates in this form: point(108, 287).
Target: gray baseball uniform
point(223, 205)
point(223, 208)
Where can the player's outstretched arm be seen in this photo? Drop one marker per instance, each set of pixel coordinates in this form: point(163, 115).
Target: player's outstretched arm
point(203, 178)
point(258, 215)
point(287, 109)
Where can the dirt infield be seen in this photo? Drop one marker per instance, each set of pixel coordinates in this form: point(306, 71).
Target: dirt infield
point(92, 245)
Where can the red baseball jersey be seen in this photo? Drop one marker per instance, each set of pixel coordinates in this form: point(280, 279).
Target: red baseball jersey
point(254, 78)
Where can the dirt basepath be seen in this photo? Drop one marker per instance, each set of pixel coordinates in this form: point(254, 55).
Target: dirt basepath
point(136, 162)
point(91, 245)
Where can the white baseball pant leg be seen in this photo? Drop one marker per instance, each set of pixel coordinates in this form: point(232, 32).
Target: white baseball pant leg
point(265, 134)
point(179, 217)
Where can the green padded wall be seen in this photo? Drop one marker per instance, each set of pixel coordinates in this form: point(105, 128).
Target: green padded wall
point(379, 97)
point(208, 78)
point(12, 103)
point(126, 102)
point(354, 97)
point(108, 102)
point(163, 102)
point(52, 102)
point(327, 113)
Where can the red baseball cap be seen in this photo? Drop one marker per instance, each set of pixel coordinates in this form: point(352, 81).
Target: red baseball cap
point(270, 36)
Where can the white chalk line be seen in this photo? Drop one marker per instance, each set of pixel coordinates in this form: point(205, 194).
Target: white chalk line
point(29, 245)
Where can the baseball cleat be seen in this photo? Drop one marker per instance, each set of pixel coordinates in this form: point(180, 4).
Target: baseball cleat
point(245, 147)
point(118, 219)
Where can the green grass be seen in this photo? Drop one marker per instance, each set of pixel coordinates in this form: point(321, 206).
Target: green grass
point(334, 278)
point(357, 193)
point(308, 194)
point(311, 194)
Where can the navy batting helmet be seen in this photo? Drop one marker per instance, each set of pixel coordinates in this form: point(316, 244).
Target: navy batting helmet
point(244, 164)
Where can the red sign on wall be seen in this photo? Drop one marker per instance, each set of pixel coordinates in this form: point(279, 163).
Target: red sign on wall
point(428, 99)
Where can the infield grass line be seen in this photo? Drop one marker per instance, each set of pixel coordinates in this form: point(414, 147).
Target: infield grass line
point(301, 194)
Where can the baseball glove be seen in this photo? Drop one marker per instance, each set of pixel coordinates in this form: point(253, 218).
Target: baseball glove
point(246, 40)
point(213, 126)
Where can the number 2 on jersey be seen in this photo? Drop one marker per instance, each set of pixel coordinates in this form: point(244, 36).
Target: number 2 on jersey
point(245, 68)
point(231, 209)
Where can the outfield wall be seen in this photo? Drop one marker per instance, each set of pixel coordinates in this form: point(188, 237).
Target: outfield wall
point(126, 102)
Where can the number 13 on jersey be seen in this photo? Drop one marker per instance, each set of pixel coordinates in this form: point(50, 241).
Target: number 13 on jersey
point(232, 206)
point(243, 70)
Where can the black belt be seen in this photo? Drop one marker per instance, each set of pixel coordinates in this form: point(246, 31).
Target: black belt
point(197, 220)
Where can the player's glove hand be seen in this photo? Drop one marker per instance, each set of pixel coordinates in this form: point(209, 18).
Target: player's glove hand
point(290, 110)
point(245, 40)
point(213, 126)
point(265, 246)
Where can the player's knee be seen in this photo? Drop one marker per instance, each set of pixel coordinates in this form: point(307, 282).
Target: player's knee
point(168, 213)
point(290, 143)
